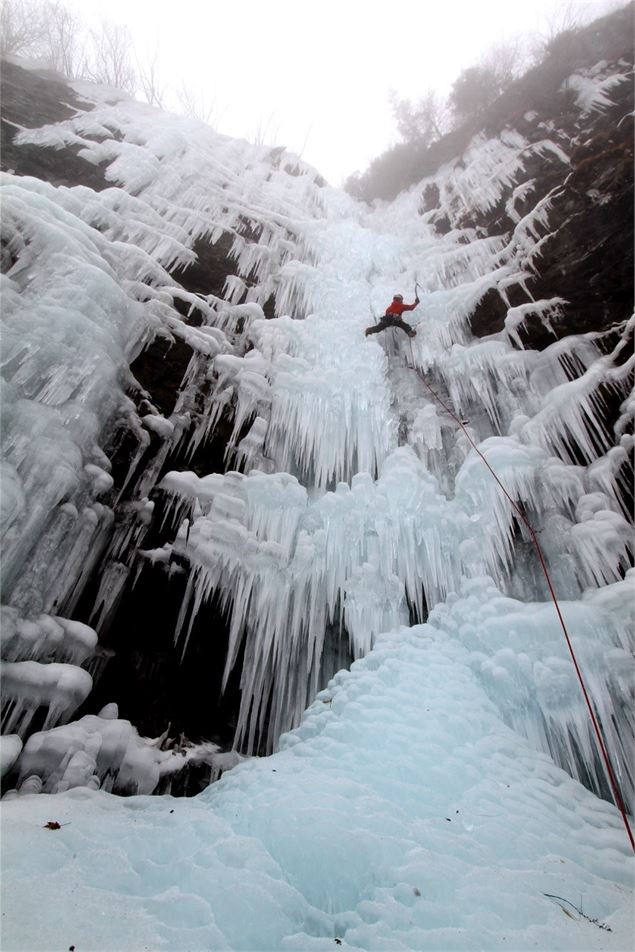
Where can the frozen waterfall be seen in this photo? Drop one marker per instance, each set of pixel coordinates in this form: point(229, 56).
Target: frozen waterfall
point(352, 520)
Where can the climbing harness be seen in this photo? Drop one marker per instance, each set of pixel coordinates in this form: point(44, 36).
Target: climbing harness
point(534, 538)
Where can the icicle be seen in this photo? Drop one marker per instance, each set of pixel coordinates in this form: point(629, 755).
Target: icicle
point(574, 411)
point(28, 685)
point(517, 317)
point(591, 92)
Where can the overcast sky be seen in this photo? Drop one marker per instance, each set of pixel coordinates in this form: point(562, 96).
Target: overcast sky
point(316, 76)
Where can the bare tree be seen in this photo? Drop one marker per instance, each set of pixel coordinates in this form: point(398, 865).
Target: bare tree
point(44, 29)
point(567, 18)
point(480, 85)
point(507, 59)
point(62, 41)
point(195, 104)
point(424, 121)
point(149, 81)
point(110, 60)
point(22, 27)
point(475, 89)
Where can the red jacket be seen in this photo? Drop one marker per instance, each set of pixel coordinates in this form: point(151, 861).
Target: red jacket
point(398, 307)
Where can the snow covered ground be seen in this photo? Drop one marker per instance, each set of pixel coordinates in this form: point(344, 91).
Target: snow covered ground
point(402, 814)
point(417, 804)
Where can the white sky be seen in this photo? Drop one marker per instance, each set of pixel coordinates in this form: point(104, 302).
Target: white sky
point(316, 77)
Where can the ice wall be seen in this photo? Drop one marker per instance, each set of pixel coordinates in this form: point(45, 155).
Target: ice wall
point(432, 513)
point(402, 813)
point(86, 286)
point(352, 501)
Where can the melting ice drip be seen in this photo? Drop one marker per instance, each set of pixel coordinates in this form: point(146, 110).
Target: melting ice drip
point(360, 500)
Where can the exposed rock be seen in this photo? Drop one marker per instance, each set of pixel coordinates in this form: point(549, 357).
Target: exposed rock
point(207, 275)
point(588, 258)
point(160, 369)
point(31, 99)
point(489, 315)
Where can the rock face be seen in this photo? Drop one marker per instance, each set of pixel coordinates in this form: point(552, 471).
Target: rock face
point(587, 253)
point(33, 99)
point(570, 186)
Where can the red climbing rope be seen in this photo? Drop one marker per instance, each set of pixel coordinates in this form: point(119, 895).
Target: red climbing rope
point(534, 538)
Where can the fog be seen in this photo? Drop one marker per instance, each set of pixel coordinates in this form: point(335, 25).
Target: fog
point(316, 77)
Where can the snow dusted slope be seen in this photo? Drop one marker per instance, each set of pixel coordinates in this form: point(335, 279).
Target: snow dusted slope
point(418, 803)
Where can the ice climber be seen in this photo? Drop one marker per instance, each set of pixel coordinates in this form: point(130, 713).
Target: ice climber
point(392, 317)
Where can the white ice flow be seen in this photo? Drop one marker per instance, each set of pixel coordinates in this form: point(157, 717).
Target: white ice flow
point(422, 802)
point(401, 814)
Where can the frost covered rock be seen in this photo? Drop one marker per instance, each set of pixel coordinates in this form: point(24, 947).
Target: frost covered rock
point(95, 752)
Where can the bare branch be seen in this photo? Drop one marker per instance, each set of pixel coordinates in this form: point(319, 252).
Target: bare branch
point(195, 105)
point(110, 59)
point(424, 121)
point(62, 38)
point(148, 77)
point(22, 27)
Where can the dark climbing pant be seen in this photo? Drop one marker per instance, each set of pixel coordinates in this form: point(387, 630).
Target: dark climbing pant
point(387, 322)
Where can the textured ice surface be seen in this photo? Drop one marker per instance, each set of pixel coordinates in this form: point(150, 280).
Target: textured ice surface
point(402, 814)
point(339, 524)
point(418, 805)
